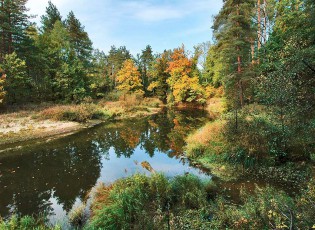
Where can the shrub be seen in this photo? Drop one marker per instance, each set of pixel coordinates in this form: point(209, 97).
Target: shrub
point(267, 208)
point(255, 139)
point(79, 113)
point(113, 96)
point(130, 100)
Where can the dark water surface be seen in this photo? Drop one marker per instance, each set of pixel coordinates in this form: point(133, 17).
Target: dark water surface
point(55, 176)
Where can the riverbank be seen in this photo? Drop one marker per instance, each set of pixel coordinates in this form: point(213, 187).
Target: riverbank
point(25, 123)
point(246, 153)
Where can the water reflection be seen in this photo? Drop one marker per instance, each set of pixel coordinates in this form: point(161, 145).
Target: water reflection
point(53, 176)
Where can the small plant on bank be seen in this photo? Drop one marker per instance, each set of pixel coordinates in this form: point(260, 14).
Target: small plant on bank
point(78, 216)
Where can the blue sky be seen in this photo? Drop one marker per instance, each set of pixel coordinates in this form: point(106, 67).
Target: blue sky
point(136, 23)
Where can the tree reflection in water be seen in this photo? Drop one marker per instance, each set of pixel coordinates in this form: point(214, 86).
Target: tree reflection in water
point(66, 169)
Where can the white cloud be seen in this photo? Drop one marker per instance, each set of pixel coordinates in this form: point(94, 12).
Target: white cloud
point(135, 23)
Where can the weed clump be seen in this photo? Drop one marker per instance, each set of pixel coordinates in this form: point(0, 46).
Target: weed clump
point(78, 216)
point(142, 202)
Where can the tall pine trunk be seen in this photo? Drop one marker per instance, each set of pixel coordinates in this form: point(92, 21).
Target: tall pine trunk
point(239, 67)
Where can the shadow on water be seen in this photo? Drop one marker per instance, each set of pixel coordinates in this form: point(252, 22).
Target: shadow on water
point(52, 176)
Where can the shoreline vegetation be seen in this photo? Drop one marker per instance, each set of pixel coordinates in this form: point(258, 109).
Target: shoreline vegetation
point(209, 148)
point(31, 122)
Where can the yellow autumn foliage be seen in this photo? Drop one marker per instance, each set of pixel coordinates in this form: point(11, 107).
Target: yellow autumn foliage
point(128, 78)
point(183, 82)
point(2, 91)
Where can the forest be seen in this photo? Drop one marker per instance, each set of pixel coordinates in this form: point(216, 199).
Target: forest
point(256, 78)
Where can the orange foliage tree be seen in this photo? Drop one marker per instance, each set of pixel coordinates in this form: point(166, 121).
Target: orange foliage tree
point(183, 81)
point(128, 78)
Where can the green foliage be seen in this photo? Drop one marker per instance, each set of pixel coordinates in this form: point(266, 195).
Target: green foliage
point(67, 76)
point(52, 16)
point(257, 138)
point(79, 39)
point(24, 223)
point(287, 84)
point(145, 66)
point(14, 20)
point(233, 32)
point(115, 59)
point(213, 67)
point(265, 209)
point(18, 84)
point(100, 81)
point(159, 75)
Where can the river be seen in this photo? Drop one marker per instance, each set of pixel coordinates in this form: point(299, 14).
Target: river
point(52, 177)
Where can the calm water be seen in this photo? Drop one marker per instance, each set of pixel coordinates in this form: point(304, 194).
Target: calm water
point(54, 176)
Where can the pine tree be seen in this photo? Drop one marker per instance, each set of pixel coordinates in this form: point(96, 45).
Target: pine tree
point(52, 16)
point(79, 39)
point(115, 60)
point(67, 75)
point(13, 22)
point(234, 33)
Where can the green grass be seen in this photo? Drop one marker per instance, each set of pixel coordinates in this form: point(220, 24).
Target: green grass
point(26, 223)
point(142, 202)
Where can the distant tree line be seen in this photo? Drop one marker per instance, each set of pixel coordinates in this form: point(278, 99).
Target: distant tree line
point(56, 62)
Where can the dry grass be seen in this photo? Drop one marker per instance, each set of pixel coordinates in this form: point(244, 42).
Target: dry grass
point(79, 113)
point(100, 196)
point(216, 107)
point(210, 132)
point(207, 138)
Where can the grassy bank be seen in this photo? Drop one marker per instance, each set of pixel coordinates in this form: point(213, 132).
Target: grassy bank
point(254, 150)
point(50, 120)
point(186, 202)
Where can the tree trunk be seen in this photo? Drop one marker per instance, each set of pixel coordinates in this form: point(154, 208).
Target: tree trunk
point(239, 67)
point(259, 27)
point(10, 40)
